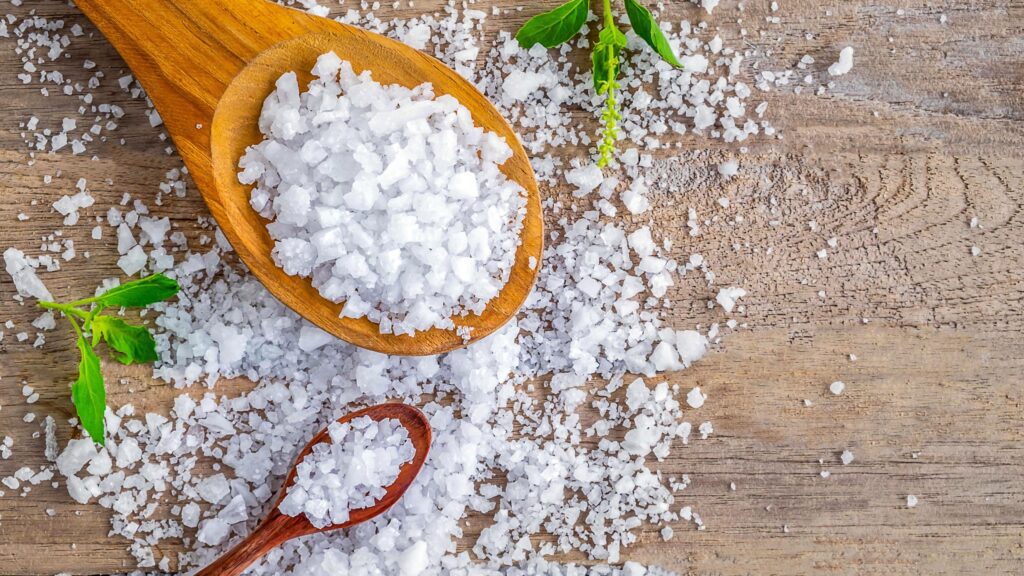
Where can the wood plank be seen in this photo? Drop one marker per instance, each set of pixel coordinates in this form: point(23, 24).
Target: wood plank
point(925, 133)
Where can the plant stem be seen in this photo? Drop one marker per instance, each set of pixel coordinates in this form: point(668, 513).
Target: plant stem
point(610, 134)
point(84, 301)
point(78, 331)
point(68, 309)
point(610, 117)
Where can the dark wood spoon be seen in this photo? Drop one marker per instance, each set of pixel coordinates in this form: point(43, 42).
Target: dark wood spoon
point(277, 528)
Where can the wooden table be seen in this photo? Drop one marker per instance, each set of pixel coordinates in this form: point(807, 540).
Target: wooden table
point(923, 135)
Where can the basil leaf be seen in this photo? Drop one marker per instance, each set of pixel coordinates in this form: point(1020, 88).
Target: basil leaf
point(554, 27)
point(605, 58)
point(647, 28)
point(88, 393)
point(133, 344)
point(140, 293)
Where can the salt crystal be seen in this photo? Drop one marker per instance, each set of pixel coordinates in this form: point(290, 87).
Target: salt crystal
point(635, 197)
point(134, 261)
point(586, 179)
point(845, 63)
point(75, 456)
point(727, 297)
point(23, 273)
point(213, 531)
point(695, 398)
point(729, 168)
point(413, 560)
point(190, 515)
point(214, 488)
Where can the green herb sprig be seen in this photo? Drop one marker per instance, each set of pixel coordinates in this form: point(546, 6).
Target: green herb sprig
point(128, 344)
point(560, 25)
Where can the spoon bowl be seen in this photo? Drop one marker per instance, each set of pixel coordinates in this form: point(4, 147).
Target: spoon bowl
point(208, 66)
point(278, 528)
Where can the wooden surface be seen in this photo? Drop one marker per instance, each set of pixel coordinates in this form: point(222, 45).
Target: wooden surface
point(208, 66)
point(925, 133)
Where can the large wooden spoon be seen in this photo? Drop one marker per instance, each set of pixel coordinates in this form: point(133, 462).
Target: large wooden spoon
point(277, 528)
point(208, 65)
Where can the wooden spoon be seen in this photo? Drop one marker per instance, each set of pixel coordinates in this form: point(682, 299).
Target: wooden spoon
point(208, 65)
point(278, 528)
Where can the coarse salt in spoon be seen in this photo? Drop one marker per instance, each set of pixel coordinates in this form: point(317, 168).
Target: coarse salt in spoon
point(278, 527)
point(208, 66)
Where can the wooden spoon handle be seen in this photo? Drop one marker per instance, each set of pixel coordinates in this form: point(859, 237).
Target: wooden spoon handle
point(178, 46)
point(186, 53)
point(274, 531)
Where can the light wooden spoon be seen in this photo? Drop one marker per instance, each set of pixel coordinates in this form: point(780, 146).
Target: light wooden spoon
point(278, 528)
point(208, 65)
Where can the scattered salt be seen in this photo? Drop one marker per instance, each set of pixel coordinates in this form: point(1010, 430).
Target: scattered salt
point(581, 322)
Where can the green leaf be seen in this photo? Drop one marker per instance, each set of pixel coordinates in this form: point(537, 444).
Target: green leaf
point(140, 293)
point(606, 59)
point(88, 393)
point(134, 344)
point(647, 28)
point(554, 27)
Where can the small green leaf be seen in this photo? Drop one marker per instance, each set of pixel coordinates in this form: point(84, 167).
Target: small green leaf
point(140, 293)
point(554, 27)
point(606, 59)
point(88, 393)
point(647, 28)
point(133, 344)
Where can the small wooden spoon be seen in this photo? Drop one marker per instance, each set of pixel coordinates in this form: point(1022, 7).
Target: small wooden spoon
point(278, 528)
point(208, 65)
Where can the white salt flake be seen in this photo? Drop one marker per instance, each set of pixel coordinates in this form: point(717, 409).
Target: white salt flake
point(727, 297)
point(729, 168)
point(695, 398)
point(22, 271)
point(844, 64)
point(213, 531)
point(413, 560)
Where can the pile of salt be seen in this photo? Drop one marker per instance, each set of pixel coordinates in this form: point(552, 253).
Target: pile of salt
point(351, 472)
point(390, 199)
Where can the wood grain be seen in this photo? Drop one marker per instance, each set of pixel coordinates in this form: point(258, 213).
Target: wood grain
point(923, 135)
point(209, 65)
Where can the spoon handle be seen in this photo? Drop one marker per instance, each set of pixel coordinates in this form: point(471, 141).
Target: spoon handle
point(177, 46)
point(272, 532)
